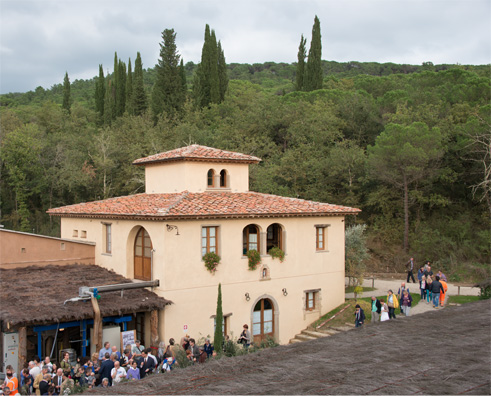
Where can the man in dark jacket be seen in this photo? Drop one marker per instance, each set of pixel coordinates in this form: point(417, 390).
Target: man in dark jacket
point(146, 365)
point(359, 316)
point(376, 309)
point(436, 287)
point(106, 366)
point(410, 269)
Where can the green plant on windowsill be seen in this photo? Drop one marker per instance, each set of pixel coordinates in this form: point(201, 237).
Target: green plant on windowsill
point(276, 252)
point(254, 259)
point(211, 260)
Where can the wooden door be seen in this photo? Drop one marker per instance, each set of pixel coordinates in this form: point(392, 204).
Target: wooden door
point(143, 255)
point(262, 320)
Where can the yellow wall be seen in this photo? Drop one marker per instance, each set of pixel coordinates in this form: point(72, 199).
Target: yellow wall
point(172, 177)
point(185, 281)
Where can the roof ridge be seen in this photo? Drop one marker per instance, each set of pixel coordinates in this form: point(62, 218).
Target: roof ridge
point(183, 195)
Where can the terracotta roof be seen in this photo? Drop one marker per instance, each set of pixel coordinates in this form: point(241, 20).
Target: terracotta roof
point(35, 294)
point(200, 205)
point(196, 152)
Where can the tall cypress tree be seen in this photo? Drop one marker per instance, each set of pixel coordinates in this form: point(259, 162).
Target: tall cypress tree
point(218, 339)
point(121, 89)
point(129, 89)
point(182, 73)
point(108, 103)
point(139, 96)
point(313, 73)
point(67, 100)
point(114, 87)
point(100, 90)
point(302, 53)
point(210, 81)
point(167, 93)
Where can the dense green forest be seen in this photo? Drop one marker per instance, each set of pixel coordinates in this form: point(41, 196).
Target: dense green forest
point(409, 145)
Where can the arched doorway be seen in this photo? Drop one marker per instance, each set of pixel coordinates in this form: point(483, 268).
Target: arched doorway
point(143, 255)
point(263, 320)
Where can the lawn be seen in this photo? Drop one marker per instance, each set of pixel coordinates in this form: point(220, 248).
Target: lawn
point(462, 299)
point(351, 289)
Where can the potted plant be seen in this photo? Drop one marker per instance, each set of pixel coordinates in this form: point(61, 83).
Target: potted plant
point(254, 259)
point(211, 260)
point(276, 252)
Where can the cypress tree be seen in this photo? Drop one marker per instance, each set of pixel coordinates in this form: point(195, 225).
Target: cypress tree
point(129, 89)
point(100, 90)
point(121, 89)
point(167, 93)
point(302, 53)
point(139, 96)
point(66, 93)
point(212, 60)
point(108, 103)
point(222, 73)
point(313, 73)
point(114, 87)
point(218, 339)
point(182, 73)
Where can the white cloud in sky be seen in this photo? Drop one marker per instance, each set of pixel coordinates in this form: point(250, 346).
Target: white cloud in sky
point(40, 40)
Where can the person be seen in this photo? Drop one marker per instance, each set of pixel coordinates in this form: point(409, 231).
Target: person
point(146, 365)
point(105, 383)
point(421, 273)
point(106, 366)
point(114, 349)
point(442, 276)
point(385, 311)
point(34, 368)
point(359, 316)
point(245, 336)
point(133, 372)
point(152, 357)
point(126, 360)
point(173, 348)
point(185, 342)
point(90, 378)
point(444, 293)
point(167, 364)
point(47, 362)
point(26, 382)
point(202, 355)
point(39, 378)
point(400, 293)
point(104, 350)
point(58, 380)
point(436, 288)
point(392, 303)
point(117, 373)
point(376, 309)
point(406, 302)
point(429, 281)
point(65, 363)
point(194, 350)
point(161, 352)
point(96, 365)
point(410, 269)
point(422, 287)
point(45, 384)
point(137, 350)
point(81, 377)
point(11, 381)
point(428, 270)
point(208, 348)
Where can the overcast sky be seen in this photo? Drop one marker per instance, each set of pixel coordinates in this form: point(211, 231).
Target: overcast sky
point(41, 39)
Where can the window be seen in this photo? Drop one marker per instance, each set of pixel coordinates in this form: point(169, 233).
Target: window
point(310, 301)
point(22, 250)
point(83, 234)
point(62, 246)
point(209, 240)
point(321, 237)
point(225, 324)
point(75, 233)
point(211, 178)
point(250, 239)
point(274, 237)
point(223, 178)
point(107, 238)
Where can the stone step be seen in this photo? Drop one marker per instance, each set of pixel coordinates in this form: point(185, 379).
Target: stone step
point(303, 337)
point(342, 328)
point(328, 331)
point(315, 334)
point(294, 341)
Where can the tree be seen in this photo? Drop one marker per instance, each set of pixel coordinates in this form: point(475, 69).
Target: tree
point(222, 73)
point(139, 97)
point(404, 155)
point(167, 94)
point(67, 100)
point(121, 89)
point(313, 71)
point(302, 54)
point(356, 254)
point(129, 89)
point(100, 90)
point(218, 339)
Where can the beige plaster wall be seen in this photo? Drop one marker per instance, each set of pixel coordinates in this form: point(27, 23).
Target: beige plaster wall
point(20, 249)
point(172, 177)
point(184, 279)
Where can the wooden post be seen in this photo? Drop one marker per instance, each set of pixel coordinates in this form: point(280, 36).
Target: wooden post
point(97, 324)
point(22, 349)
point(154, 328)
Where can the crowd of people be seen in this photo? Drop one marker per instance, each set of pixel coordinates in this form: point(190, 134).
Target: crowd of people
point(109, 366)
point(432, 289)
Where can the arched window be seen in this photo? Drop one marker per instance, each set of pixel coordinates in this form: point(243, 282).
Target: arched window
point(250, 238)
point(223, 178)
point(274, 237)
point(143, 255)
point(211, 178)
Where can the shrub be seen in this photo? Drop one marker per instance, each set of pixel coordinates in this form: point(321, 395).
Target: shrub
point(276, 252)
point(254, 259)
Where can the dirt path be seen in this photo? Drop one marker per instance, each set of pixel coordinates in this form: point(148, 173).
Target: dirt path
point(438, 352)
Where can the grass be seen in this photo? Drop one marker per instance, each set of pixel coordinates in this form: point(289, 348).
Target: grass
point(462, 299)
point(351, 289)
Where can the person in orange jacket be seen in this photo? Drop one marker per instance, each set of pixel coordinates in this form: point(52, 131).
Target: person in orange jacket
point(442, 295)
point(11, 381)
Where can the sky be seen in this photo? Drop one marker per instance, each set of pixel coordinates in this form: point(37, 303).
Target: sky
point(40, 40)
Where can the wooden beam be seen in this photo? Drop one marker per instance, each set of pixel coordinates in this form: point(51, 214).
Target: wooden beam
point(22, 349)
point(97, 324)
point(154, 328)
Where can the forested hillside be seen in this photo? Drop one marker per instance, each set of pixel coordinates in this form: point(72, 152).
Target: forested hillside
point(409, 145)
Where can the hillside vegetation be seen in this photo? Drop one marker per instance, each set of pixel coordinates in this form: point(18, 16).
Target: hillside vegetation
point(409, 145)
